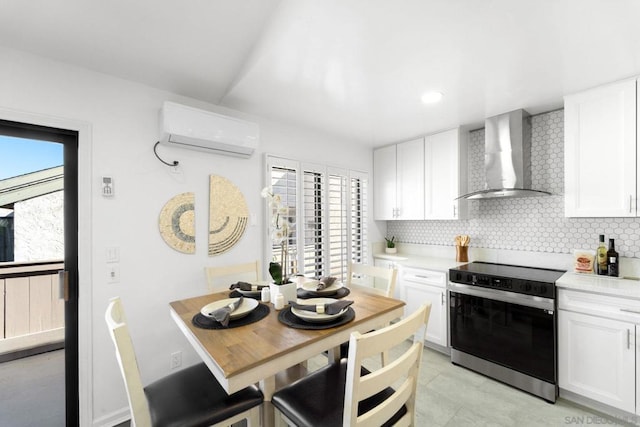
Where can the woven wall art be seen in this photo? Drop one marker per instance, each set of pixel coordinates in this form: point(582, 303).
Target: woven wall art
point(228, 215)
point(177, 223)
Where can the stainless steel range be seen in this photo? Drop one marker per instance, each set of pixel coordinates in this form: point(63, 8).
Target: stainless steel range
point(503, 324)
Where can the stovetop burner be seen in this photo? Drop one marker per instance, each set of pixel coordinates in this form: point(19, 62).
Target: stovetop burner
point(512, 278)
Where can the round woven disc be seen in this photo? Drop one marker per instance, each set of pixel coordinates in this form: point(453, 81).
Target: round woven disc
point(177, 223)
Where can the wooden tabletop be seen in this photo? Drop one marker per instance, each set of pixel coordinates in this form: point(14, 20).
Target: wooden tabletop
point(264, 347)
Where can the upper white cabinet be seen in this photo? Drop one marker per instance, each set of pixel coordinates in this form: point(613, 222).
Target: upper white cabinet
point(421, 179)
point(600, 151)
point(445, 159)
point(398, 184)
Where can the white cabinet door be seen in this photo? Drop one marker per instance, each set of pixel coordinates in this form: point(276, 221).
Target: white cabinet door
point(596, 358)
point(410, 179)
point(445, 175)
point(416, 294)
point(600, 151)
point(384, 183)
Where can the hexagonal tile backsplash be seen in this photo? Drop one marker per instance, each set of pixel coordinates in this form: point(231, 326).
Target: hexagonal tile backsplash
point(531, 224)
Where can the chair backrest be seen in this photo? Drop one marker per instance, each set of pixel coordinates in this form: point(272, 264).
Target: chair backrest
point(219, 278)
point(363, 271)
point(402, 373)
point(117, 323)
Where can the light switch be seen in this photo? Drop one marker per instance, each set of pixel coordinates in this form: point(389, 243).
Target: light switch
point(113, 254)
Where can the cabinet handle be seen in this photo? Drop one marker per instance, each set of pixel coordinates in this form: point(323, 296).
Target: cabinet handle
point(441, 298)
point(454, 211)
point(630, 203)
point(628, 310)
point(628, 339)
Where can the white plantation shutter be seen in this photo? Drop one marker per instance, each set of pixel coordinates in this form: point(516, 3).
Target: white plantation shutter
point(338, 202)
point(359, 216)
point(283, 181)
point(328, 215)
point(313, 194)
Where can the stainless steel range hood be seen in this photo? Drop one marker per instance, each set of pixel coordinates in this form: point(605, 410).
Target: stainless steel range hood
point(507, 158)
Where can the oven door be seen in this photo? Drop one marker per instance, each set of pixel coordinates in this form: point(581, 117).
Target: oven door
point(513, 330)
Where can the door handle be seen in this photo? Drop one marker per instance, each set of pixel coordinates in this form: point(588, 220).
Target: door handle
point(63, 285)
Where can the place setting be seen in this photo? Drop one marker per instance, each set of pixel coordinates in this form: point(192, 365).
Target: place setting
point(317, 313)
point(230, 313)
point(324, 287)
point(245, 289)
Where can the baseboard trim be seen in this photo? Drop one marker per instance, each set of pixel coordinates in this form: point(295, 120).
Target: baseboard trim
point(114, 418)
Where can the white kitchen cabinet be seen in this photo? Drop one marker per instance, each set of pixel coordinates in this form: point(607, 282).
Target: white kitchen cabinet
point(418, 286)
point(600, 151)
point(398, 184)
point(445, 159)
point(597, 350)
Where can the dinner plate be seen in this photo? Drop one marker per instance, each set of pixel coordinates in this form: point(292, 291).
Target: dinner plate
point(246, 306)
point(311, 285)
point(312, 316)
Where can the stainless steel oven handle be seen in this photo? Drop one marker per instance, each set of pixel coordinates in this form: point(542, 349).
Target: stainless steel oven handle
point(504, 296)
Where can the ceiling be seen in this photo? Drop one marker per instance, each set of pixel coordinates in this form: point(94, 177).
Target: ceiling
point(352, 68)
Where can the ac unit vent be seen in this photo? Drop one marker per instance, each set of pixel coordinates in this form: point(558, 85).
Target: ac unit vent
point(188, 127)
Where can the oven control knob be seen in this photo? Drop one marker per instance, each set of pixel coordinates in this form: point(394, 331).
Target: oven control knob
point(543, 289)
point(527, 287)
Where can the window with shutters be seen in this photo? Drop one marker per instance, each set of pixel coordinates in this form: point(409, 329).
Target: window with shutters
point(331, 223)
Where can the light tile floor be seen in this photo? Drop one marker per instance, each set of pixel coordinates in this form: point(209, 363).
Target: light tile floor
point(450, 395)
point(32, 390)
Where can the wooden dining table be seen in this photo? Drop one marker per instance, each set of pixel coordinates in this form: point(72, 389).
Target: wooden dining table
point(260, 352)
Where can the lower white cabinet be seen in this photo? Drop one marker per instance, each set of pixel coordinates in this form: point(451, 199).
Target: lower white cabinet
point(597, 348)
point(418, 286)
point(597, 359)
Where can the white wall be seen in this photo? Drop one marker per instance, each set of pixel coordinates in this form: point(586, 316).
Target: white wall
point(122, 118)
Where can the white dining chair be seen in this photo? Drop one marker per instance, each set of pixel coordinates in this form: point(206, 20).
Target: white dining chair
point(220, 278)
point(366, 277)
point(189, 397)
point(347, 394)
point(369, 277)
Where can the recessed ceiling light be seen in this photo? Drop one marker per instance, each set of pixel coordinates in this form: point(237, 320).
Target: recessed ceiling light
point(431, 97)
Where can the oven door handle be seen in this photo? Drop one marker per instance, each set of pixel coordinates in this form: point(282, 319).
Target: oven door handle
point(505, 296)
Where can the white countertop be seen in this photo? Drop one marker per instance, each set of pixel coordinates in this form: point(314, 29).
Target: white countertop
point(421, 261)
point(621, 287)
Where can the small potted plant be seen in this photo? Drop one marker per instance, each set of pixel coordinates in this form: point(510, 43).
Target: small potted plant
point(391, 245)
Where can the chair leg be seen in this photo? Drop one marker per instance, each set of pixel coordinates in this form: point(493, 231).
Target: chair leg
point(253, 417)
point(279, 419)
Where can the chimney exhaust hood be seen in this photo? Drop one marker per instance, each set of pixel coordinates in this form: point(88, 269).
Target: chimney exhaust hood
point(507, 158)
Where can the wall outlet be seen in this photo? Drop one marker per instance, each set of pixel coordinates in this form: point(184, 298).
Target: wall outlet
point(176, 360)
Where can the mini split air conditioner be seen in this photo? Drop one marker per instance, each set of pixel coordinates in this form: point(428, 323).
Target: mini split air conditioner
point(187, 127)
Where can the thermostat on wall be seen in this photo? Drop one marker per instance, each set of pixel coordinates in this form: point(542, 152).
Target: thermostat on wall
point(107, 186)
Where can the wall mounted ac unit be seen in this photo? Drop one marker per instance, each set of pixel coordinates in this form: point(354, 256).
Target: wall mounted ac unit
point(187, 127)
